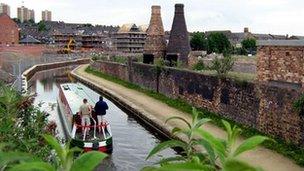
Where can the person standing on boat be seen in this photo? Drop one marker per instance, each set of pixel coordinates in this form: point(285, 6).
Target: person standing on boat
point(100, 108)
point(85, 111)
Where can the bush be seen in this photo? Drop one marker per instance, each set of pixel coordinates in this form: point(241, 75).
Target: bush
point(222, 65)
point(298, 105)
point(21, 123)
point(199, 66)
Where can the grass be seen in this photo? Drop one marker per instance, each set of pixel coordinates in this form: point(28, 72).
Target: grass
point(287, 149)
point(239, 76)
point(245, 58)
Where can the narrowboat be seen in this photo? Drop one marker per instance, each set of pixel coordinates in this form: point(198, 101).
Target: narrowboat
point(93, 137)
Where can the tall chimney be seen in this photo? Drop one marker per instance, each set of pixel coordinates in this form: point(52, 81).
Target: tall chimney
point(179, 45)
point(155, 45)
point(246, 30)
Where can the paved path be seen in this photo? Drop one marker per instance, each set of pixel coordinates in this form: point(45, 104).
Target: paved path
point(158, 112)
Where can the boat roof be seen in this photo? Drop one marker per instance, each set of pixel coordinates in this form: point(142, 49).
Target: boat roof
point(75, 93)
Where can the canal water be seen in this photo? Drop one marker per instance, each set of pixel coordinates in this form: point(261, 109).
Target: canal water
point(132, 141)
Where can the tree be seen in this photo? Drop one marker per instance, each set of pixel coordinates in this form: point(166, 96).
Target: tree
point(31, 21)
point(41, 26)
point(198, 41)
point(249, 45)
point(17, 21)
point(218, 43)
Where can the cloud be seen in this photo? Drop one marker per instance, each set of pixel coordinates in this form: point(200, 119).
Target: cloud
point(262, 16)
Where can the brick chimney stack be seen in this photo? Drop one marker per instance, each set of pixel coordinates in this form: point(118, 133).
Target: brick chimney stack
point(179, 45)
point(246, 30)
point(155, 46)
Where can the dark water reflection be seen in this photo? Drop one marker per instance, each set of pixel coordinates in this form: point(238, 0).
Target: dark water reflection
point(132, 142)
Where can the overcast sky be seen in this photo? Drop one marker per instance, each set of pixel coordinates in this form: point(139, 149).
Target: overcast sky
point(261, 16)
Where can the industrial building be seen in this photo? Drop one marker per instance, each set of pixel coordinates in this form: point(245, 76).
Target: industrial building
point(130, 38)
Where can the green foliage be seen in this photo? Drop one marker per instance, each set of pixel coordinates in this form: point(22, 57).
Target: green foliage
point(21, 123)
point(299, 105)
point(188, 132)
point(222, 65)
point(64, 156)
point(17, 21)
point(88, 161)
point(31, 21)
point(224, 149)
point(120, 59)
point(287, 149)
point(218, 43)
point(249, 45)
point(199, 66)
point(198, 41)
point(41, 26)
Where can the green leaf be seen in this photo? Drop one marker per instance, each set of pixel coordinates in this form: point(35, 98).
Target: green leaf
point(165, 145)
point(149, 168)
point(9, 157)
point(227, 127)
point(88, 161)
point(201, 122)
point(171, 159)
point(249, 144)
point(237, 165)
point(194, 115)
point(177, 130)
point(188, 166)
point(179, 118)
point(209, 150)
point(56, 146)
point(30, 166)
point(216, 143)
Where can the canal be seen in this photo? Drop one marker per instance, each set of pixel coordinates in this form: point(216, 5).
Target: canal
point(132, 141)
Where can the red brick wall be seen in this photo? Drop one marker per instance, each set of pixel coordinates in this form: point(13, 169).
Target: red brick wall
point(281, 63)
point(264, 107)
point(9, 33)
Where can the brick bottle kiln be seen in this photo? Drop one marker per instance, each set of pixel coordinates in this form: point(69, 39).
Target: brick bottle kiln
point(155, 46)
point(179, 45)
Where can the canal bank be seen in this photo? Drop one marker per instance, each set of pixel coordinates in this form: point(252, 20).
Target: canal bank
point(155, 113)
point(28, 74)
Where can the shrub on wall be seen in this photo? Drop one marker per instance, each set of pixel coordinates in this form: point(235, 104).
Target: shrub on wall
point(299, 105)
point(222, 65)
point(199, 66)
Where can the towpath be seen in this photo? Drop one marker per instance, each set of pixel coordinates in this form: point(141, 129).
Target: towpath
point(158, 112)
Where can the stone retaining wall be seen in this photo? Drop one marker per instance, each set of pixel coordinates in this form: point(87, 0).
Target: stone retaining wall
point(36, 68)
point(266, 108)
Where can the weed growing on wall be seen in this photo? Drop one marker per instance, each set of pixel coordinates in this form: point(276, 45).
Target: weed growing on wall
point(299, 105)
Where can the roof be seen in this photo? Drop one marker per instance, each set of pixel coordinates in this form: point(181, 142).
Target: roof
point(132, 28)
point(4, 16)
point(29, 39)
point(280, 43)
point(143, 28)
point(75, 93)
